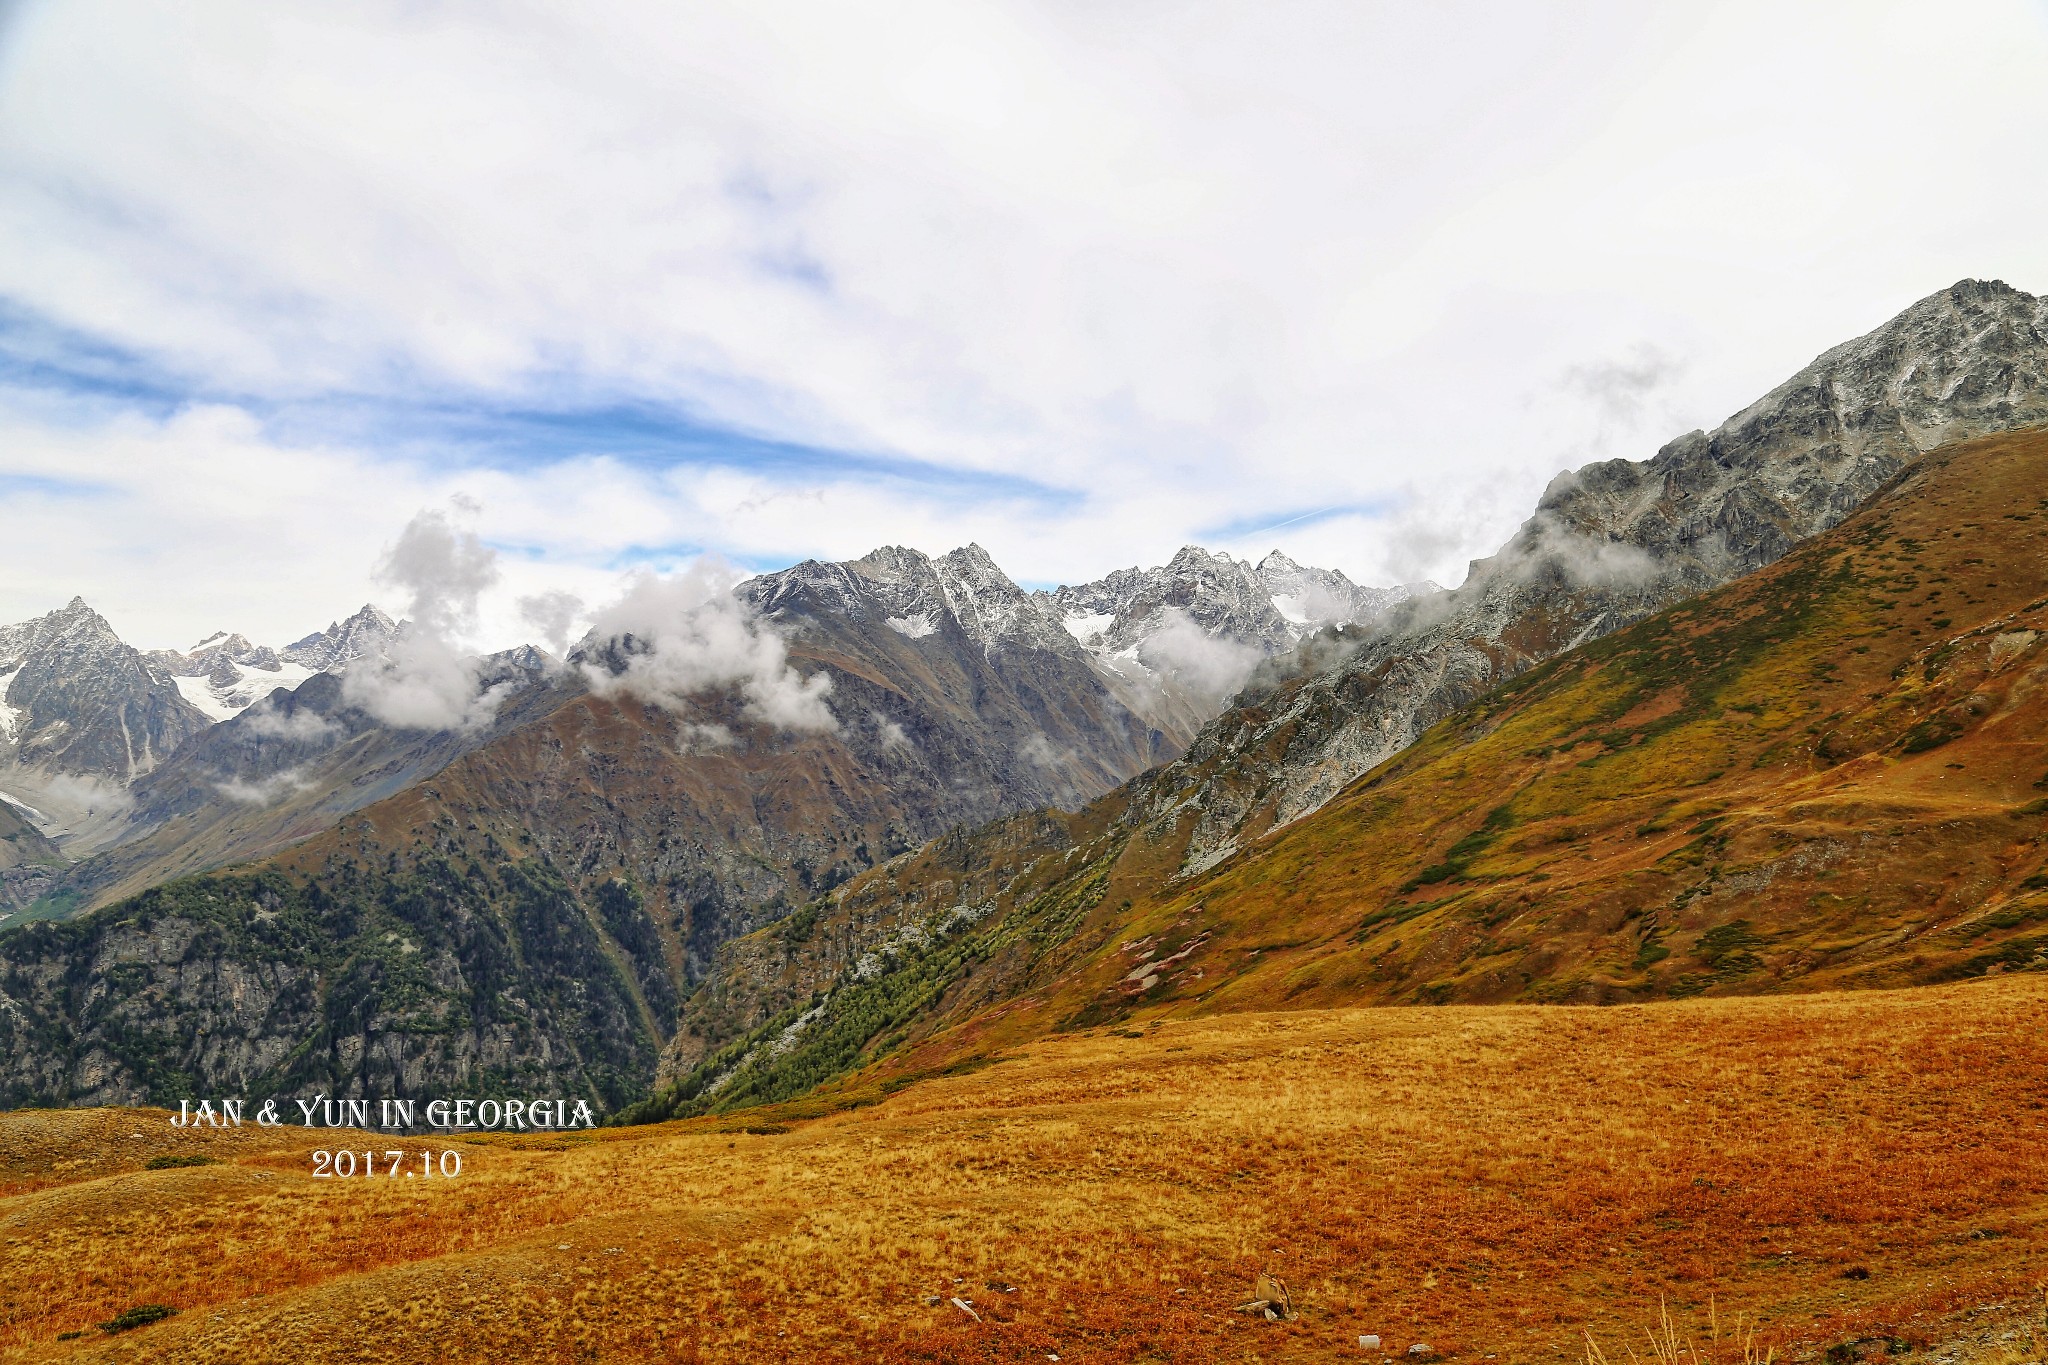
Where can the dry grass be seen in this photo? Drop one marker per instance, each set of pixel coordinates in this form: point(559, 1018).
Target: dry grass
point(1490, 1180)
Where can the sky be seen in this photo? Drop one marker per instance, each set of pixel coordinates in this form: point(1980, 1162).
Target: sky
point(618, 286)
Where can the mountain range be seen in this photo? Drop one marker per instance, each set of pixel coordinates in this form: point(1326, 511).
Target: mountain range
point(936, 810)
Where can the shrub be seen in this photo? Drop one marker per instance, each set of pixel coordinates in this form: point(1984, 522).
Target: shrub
point(141, 1315)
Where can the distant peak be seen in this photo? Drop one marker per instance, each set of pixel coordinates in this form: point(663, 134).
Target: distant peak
point(970, 553)
point(887, 561)
point(1277, 562)
point(970, 560)
point(1189, 555)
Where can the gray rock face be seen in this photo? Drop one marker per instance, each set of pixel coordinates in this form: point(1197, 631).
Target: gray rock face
point(368, 633)
point(80, 703)
point(29, 861)
point(1612, 543)
point(1177, 640)
point(959, 672)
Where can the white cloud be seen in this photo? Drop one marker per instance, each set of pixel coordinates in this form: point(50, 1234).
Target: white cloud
point(429, 679)
point(1187, 265)
point(1208, 666)
point(264, 791)
point(301, 726)
point(682, 636)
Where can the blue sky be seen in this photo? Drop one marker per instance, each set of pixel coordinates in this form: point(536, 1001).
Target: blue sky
point(628, 283)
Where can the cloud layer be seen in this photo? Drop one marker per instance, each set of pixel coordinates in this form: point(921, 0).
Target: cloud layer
point(1080, 283)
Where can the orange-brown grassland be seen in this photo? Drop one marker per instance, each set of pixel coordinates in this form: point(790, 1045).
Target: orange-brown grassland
point(1825, 1176)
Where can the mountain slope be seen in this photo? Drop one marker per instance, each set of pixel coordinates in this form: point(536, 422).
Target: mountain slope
point(1615, 542)
point(284, 769)
point(973, 675)
point(29, 862)
point(81, 712)
point(535, 898)
point(1827, 774)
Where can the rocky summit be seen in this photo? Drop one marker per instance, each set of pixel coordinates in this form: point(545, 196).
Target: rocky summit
point(82, 715)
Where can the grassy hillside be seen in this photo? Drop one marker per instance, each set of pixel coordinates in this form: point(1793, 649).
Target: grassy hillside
point(1858, 1167)
point(1831, 773)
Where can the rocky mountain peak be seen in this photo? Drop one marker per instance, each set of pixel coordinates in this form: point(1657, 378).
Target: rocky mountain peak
point(369, 632)
point(992, 609)
point(81, 703)
point(891, 564)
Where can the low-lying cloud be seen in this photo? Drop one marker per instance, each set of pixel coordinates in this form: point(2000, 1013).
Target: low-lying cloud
point(553, 614)
point(428, 681)
point(1211, 667)
point(265, 791)
point(671, 639)
point(300, 725)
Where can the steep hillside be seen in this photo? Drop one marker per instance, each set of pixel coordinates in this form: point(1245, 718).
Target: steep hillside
point(1828, 774)
point(281, 771)
point(1615, 542)
point(29, 862)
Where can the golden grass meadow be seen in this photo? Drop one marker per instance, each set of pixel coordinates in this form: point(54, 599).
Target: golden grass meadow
point(1494, 1182)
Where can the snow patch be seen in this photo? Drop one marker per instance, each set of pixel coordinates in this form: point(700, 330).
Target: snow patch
point(258, 683)
point(251, 685)
point(1293, 608)
point(24, 807)
point(1088, 626)
point(10, 718)
point(916, 627)
point(200, 693)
